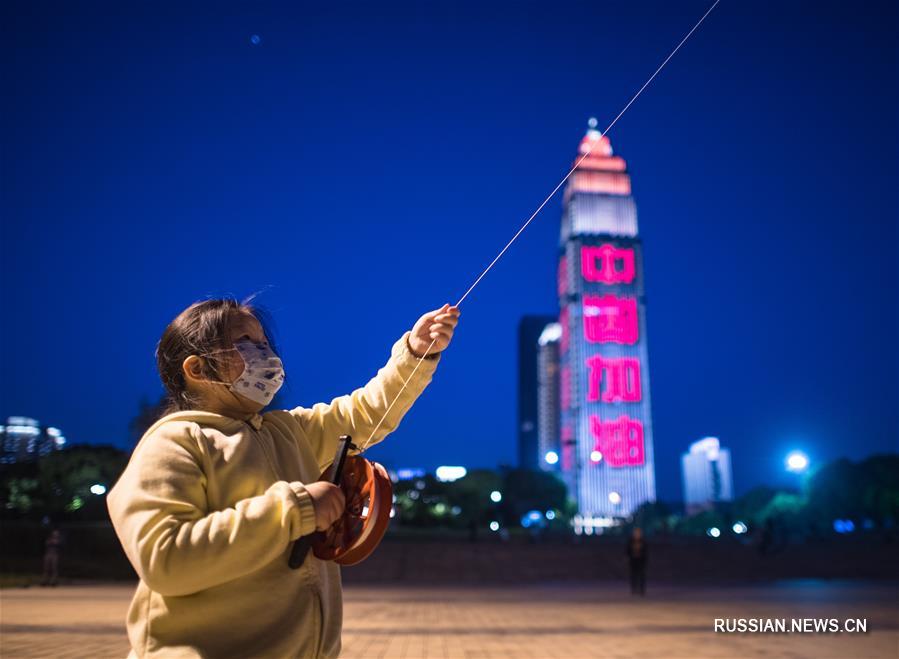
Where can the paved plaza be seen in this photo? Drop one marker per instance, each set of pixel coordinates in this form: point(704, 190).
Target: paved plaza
point(536, 621)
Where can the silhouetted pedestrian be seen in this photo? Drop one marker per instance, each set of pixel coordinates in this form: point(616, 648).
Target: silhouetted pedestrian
point(767, 539)
point(637, 556)
point(52, 548)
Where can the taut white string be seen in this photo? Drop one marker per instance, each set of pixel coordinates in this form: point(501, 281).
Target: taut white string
point(540, 207)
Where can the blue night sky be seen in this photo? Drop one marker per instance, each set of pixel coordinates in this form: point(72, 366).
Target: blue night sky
point(362, 164)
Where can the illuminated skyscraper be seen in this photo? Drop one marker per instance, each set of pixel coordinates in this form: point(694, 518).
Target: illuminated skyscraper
point(707, 475)
point(530, 329)
point(606, 415)
point(548, 413)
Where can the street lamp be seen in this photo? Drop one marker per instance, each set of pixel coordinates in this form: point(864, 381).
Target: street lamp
point(496, 496)
point(796, 461)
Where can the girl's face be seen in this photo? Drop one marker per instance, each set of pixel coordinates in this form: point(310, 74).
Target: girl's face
point(215, 397)
point(243, 327)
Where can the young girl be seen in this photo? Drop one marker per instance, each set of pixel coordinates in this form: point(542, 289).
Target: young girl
point(215, 493)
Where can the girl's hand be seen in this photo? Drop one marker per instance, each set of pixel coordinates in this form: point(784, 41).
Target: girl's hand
point(328, 501)
point(439, 325)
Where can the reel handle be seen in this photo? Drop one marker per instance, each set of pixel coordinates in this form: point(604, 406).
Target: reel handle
point(303, 544)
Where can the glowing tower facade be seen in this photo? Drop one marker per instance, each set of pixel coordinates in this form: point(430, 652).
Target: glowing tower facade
point(606, 415)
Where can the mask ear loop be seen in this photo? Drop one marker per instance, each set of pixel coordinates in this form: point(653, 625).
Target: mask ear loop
point(215, 352)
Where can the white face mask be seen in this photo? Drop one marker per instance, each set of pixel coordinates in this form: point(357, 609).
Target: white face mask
point(263, 372)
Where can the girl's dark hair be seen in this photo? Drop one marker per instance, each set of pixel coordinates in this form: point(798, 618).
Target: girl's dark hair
point(202, 328)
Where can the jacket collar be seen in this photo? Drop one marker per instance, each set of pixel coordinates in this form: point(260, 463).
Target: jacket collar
point(255, 421)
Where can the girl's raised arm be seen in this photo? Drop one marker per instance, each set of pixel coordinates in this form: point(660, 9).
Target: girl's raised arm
point(359, 412)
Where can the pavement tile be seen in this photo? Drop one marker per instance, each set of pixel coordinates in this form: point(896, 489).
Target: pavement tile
point(539, 621)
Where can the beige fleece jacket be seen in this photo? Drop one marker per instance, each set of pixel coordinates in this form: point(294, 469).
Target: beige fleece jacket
point(208, 507)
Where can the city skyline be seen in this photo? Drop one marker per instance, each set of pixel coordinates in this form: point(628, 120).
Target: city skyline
point(375, 185)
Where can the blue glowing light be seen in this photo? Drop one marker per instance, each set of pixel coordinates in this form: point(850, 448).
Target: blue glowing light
point(843, 525)
point(796, 461)
point(532, 518)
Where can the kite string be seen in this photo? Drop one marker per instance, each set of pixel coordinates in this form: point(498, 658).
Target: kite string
point(540, 207)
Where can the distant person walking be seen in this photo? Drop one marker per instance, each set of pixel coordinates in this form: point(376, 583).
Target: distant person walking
point(637, 555)
point(767, 540)
point(52, 547)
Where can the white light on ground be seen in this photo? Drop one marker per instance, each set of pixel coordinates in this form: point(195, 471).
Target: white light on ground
point(739, 528)
point(797, 461)
point(494, 526)
point(614, 498)
point(98, 489)
point(447, 474)
point(596, 456)
point(496, 496)
point(713, 532)
point(551, 457)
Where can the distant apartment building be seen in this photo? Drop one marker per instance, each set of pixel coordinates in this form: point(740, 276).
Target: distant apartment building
point(707, 475)
point(24, 440)
point(530, 329)
point(548, 406)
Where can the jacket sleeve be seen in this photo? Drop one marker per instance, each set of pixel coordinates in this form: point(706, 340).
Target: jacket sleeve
point(359, 412)
point(158, 510)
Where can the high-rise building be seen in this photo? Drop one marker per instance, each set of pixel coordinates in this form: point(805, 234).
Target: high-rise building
point(24, 440)
point(707, 475)
point(548, 411)
point(530, 328)
point(606, 416)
